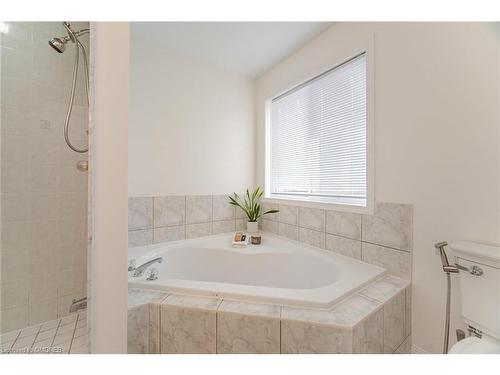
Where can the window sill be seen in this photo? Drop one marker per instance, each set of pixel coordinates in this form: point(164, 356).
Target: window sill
point(342, 205)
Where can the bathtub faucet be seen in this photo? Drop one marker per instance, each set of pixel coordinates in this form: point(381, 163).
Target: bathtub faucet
point(139, 271)
point(78, 304)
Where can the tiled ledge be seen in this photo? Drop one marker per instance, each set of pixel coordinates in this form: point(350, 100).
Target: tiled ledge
point(373, 320)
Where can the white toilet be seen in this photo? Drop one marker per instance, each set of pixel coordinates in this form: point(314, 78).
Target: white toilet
point(480, 291)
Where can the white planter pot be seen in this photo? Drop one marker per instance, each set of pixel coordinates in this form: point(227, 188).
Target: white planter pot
point(252, 227)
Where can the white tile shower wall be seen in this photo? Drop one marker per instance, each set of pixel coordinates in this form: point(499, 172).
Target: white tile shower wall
point(172, 218)
point(43, 196)
point(384, 238)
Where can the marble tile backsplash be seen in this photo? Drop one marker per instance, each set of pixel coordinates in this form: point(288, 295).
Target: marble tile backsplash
point(169, 211)
point(171, 218)
point(139, 213)
point(384, 238)
point(391, 226)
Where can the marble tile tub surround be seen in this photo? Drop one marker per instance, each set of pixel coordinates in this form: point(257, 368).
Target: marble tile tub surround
point(384, 238)
point(373, 320)
point(143, 328)
point(172, 218)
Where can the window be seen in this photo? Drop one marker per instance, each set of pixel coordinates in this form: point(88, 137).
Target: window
point(316, 138)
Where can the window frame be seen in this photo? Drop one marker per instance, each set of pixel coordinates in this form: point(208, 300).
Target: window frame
point(370, 175)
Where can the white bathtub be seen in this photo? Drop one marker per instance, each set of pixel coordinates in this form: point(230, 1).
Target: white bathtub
point(277, 271)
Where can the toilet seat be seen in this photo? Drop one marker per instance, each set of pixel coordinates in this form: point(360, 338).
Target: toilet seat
point(474, 345)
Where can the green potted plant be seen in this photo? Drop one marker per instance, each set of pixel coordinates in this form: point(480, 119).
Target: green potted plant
point(250, 204)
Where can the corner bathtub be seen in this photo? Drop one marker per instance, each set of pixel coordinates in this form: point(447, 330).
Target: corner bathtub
point(277, 271)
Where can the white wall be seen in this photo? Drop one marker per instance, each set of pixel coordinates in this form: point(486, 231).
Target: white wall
point(108, 168)
point(191, 125)
point(437, 141)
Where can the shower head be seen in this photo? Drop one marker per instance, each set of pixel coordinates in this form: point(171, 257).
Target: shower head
point(59, 44)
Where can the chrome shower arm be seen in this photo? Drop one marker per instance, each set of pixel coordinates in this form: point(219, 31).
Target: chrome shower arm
point(73, 35)
point(76, 34)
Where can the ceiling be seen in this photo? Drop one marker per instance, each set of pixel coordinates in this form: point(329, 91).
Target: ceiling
point(249, 48)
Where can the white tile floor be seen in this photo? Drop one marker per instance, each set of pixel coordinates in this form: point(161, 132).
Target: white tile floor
point(66, 335)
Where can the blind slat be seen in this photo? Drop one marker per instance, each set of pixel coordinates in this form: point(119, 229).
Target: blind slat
point(318, 136)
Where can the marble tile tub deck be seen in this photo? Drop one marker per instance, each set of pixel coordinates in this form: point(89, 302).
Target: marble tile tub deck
point(374, 319)
point(66, 335)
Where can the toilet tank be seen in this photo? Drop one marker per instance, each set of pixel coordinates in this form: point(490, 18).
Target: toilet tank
point(480, 294)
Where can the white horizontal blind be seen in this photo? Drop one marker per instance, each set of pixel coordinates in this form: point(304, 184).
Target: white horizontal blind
point(318, 136)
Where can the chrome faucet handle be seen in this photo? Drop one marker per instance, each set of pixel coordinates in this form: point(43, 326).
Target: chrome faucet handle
point(152, 274)
point(131, 265)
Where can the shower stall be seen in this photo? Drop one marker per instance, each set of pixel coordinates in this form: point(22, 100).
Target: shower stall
point(44, 142)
